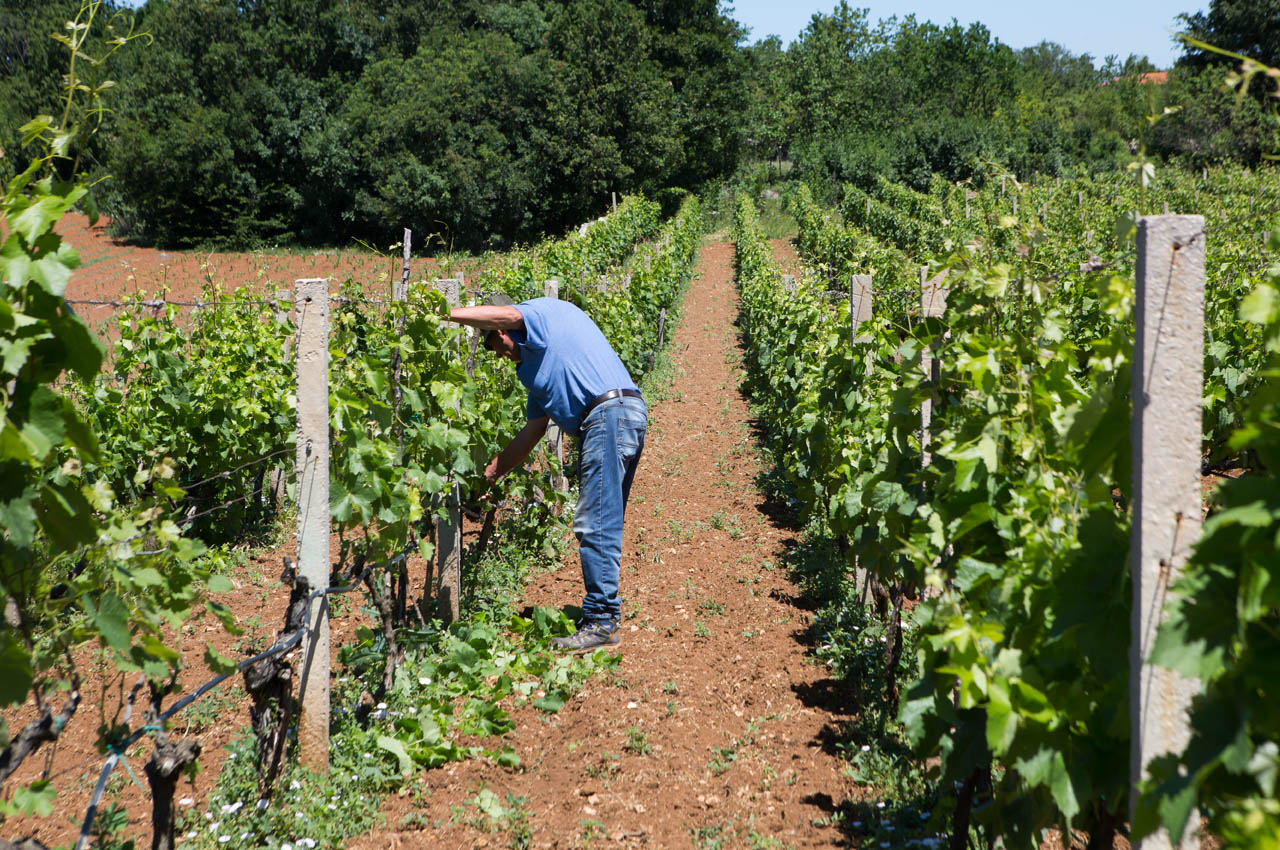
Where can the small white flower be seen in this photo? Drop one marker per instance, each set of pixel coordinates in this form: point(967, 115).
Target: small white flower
point(294, 786)
point(223, 839)
point(382, 706)
point(424, 680)
point(866, 748)
point(880, 805)
point(263, 803)
point(192, 834)
point(187, 801)
point(857, 824)
point(632, 705)
point(412, 709)
point(297, 814)
point(231, 755)
point(208, 815)
point(244, 835)
point(232, 808)
point(307, 842)
point(213, 827)
point(331, 807)
point(286, 846)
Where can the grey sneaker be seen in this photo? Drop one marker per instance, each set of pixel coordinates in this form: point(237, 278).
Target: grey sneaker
point(589, 636)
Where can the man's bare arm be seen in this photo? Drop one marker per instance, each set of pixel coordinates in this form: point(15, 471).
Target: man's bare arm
point(488, 318)
point(517, 450)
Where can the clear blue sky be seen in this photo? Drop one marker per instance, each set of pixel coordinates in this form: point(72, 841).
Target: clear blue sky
point(1096, 27)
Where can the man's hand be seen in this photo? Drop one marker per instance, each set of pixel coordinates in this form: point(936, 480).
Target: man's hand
point(517, 450)
point(476, 509)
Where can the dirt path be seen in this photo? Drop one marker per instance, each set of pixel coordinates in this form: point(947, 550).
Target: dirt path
point(713, 731)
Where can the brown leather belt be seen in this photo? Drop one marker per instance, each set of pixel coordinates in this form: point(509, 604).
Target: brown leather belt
point(609, 396)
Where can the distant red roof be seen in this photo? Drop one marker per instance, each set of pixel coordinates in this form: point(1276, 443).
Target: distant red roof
point(1155, 78)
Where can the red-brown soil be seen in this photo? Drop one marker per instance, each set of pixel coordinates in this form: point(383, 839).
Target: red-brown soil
point(111, 269)
point(714, 652)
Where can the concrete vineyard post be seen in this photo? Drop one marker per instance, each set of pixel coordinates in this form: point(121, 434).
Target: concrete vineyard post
point(473, 334)
point(789, 283)
point(860, 303)
point(555, 437)
point(933, 303)
point(449, 530)
point(859, 306)
point(400, 292)
point(311, 305)
point(1165, 434)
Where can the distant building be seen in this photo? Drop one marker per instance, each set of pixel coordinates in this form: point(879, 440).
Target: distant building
point(1154, 78)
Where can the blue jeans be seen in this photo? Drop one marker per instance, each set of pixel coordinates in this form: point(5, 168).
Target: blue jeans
point(611, 439)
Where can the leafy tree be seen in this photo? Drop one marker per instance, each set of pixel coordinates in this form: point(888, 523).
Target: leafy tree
point(1211, 126)
point(1248, 27)
point(769, 120)
point(697, 47)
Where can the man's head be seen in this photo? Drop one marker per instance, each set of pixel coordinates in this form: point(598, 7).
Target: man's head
point(501, 344)
point(500, 341)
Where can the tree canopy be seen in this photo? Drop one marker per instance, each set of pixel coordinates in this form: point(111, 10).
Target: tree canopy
point(488, 123)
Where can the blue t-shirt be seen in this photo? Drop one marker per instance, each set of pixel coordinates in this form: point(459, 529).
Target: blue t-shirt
point(565, 361)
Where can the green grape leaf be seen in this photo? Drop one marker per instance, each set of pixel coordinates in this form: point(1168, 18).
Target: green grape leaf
point(396, 748)
point(111, 617)
point(1048, 768)
point(16, 674)
point(218, 662)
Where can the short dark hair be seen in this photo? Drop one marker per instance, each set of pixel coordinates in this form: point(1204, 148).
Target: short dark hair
point(488, 337)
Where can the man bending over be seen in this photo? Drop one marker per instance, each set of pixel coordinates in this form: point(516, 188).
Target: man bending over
point(575, 378)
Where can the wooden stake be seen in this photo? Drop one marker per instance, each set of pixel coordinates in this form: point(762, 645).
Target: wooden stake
point(449, 529)
point(555, 437)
